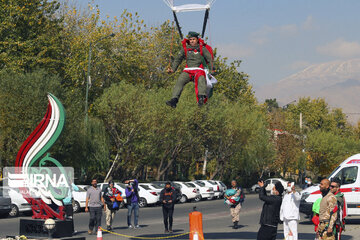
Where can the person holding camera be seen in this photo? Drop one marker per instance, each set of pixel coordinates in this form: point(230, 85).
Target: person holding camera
point(289, 212)
point(270, 214)
point(168, 198)
point(132, 201)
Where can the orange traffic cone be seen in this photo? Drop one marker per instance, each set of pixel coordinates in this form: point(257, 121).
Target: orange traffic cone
point(99, 234)
point(196, 228)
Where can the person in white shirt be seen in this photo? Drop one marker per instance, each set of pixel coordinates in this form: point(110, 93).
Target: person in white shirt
point(289, 212)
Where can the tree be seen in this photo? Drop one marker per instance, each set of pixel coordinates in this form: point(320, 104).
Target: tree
point(23, 105)
point(271, 104)
point(30, 35)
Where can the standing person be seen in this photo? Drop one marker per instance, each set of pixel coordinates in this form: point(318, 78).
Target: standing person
point(289, 211)
point(68, 204)
point(94, 204)
point(236, 207)
point(168, 198)
point(196, 57)
point(327, 212)
point(112, 203)
point(341, 213)
point(132, 199)
point(270, 214)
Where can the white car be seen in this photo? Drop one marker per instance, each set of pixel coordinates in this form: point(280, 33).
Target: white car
point(222, 186)
point(146, 197)
point(205, 191)
point(18, 203)
point(255, 188)
point(79, 199)
point(198, 195)
point(217, 188)
point(211, 184)
point(188, 191)
point(271, 183)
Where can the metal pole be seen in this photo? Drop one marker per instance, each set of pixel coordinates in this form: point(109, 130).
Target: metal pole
point(205, 21)
point(177, 24)
point(87, 85)
point(88, 78)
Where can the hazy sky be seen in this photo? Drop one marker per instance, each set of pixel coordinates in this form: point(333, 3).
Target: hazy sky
point(273, 38)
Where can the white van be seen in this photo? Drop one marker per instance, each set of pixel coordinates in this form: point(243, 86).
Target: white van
point(348, 172)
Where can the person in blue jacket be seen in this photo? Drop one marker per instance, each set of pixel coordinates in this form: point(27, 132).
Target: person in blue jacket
point(132, 200)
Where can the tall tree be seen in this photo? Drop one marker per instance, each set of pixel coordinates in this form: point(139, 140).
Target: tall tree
point(30, 35)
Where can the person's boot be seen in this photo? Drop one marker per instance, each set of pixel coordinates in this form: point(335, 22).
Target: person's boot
point(201, 100)
point(172, 102)
point(235, 225)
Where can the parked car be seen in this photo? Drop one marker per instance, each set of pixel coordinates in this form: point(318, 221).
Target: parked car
point(198, 195)
point(211, 185)
point(205, 191)
point(85, 187)
point(18, 203)
point(177, 189)
point(272, 181)
point(217, 191)
point(5, 203)
point(255, 188)
point(152, 189)
point(222, 186)
point(79, 199)
point(146, 197)
point(188, 191)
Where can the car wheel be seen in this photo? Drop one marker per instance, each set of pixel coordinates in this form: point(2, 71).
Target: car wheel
point(142, 202)
point(183, 199)
point(257, 190)
point(14, 211)
point(197, 198)
point(76, 207)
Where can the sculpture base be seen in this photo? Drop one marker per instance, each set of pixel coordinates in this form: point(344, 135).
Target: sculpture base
point(35, 228)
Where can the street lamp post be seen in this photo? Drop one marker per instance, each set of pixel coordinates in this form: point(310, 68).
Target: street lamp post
point(88, 78)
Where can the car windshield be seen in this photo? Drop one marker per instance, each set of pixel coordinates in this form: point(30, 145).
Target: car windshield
point(177, 185)
point(212, 182)
point(191, 184)
point(201, 184)
point(188, 185)
point(81, 189)
point(145, 186)
point(156, 186)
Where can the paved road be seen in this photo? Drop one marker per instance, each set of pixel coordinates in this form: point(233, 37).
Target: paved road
point(216, 221)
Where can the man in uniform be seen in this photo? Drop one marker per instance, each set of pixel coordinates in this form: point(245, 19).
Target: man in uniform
point(327, 212)
point(235, 209)
point(340, 222)
point(195, 62)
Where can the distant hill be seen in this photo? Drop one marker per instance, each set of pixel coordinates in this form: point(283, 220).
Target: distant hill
point(338, 82)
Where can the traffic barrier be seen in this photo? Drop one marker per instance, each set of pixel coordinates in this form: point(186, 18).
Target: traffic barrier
point(196, 226)
point(99, 234)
